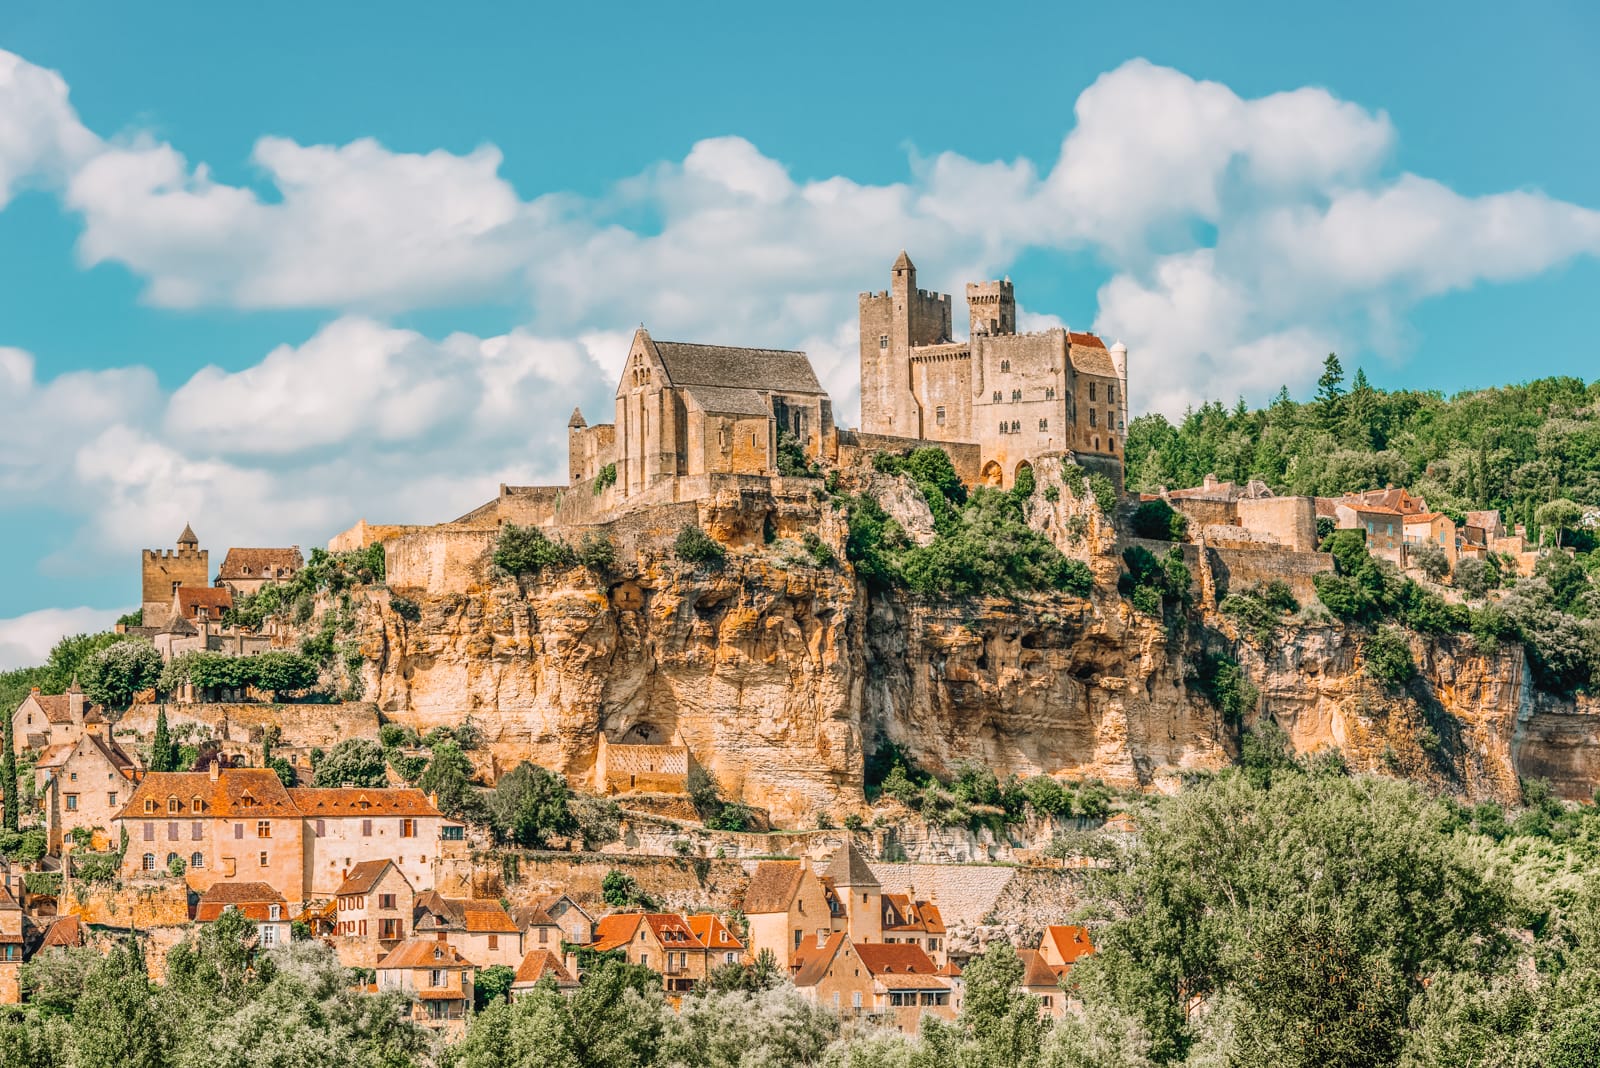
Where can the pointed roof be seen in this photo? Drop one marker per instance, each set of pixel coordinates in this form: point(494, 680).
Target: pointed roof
point(849, 868)
point(187, 537)
point(577, 419)
point(903, 262)
point(536, 965)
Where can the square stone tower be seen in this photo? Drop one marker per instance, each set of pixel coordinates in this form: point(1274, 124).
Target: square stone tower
point(164, 570)
point(894, 322)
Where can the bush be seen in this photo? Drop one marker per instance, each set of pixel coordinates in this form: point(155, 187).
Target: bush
point(1388, 657)
point(1260, 610)
point(619, 890)
point(1104, 491)
point(821, 553)
point(1430, 559)
point(526, 551)
point(605, 479)
point(1025, 484)
point(405, 608)
point(354, 760)
point(597, 552)
point(176, 866)
point(1474, 578)
point(1047, 797)
point(1226, 686)
point(695, 546)
point(792, 462)
point(1156, 520)
point(1150, 583)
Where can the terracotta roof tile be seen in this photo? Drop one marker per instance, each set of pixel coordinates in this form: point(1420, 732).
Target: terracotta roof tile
point(813, 961)
point(1070, 941)
point(362, 878)
point(214, 599)
point(488, 917)
point(712, 933)
point(537, 964)
point(424, 953)
point(615, 931)
point(252, 899)
point(260, 563)
point(361, 801)
point(896, 958)
point(64, 931)
point(672, 930)
point(1035, 972)
point(773, 887)
point(254, 792)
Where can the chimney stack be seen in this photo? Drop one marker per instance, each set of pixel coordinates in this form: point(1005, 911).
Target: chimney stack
point(216, 768)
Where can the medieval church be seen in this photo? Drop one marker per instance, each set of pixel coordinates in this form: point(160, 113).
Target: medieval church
point(688, 411)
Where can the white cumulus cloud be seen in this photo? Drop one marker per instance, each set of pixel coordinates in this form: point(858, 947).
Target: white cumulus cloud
point(26, 640)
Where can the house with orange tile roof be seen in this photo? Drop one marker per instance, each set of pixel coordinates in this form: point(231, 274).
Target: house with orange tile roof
point(436, 974)
point(1435, 528)
point(482, 929)
point(894, 984)
point(917, 923)
point(538, 965)
point(230, 824)
point(83, 785)
point(201, 606)
point(348, 826)
point(44, 720)
point(789, 904)
point(64, 932)
point(1040, 980)
point(1063, 945)
point(661, 941)
point(722, 947)
point(257, 902)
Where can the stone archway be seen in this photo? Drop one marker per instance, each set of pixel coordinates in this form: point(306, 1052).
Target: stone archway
point(992, 474)
point(1017, 471)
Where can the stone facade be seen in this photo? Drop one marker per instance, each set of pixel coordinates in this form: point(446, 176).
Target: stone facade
point(1017, 396)
point(163, 571)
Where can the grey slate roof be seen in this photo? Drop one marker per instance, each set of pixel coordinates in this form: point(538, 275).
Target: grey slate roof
point(727, 401)
point(849, 868)
point(721, 365)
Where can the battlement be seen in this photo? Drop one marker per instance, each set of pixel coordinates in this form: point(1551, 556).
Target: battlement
point(176, 554)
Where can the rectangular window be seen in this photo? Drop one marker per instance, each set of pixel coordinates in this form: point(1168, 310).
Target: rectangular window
point(72, 802)
point(799, 936)
point(938, 415)
point(494, 941)
point(111, 799)
point(855, 1000)
point(1091, 392)
point(197, 831)
point(997, 396)
point(390, 930)
point(269, 934)
point(366, 828)
point(263, 828)
point(544, 936)
point(149, 832)
point(386, 901)
point(1044, 424)
point(172, 832)
point(452, 833)
point(408, 828)
point(322, 828)
point(436, 978)
point(238, 830)
point(263, 860)
point(1093, 417)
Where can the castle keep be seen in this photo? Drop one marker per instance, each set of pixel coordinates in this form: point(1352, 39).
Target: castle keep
point(1016, 396)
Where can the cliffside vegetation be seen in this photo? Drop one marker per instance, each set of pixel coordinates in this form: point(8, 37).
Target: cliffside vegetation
point(1515, 448)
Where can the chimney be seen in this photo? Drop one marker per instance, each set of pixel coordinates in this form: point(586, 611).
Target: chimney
point(35, 691)
point(216, 769)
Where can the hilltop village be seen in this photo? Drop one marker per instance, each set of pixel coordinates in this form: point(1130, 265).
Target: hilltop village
point(834, 705)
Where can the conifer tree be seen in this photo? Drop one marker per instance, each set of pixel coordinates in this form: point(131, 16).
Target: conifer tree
point(8, 769)
point(163, 755)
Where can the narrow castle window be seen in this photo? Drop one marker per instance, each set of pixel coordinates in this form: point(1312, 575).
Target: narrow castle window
point(1091, 392)
point(1016, 395)
point(1016, 426)
point(1096, 444)
point(1049, 393)
point(938, 415)
point(1111, 444)
point(883, 341)
point(1044, 424)
point(1002, 426)
point(1111, 394)
point(1093, 415)
point(1005, 365)
point(997, 396)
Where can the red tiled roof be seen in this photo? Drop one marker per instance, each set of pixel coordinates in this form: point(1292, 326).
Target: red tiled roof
point(915, 981)
point(252, 899)
point(213, 598)
point(424, 953)
point(487, 917)
point(537, 964)
point(260, 563)
point(362, 878)
point(712, 932)
point(918, 915)
point(894, 958)
point(615, 931)
point(64, 931)
point(254, 792)
point(1035, 972)
point(671, 930)
point(773, 887)
point(360, 801)
point(57, 707)
point(1071, 941)
point(1090, 340)
point(812, 962)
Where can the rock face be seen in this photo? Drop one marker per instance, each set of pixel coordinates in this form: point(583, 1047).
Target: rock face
point(780, 677)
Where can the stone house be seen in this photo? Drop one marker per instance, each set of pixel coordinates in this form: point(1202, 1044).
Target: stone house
point(787, 905)
point(44, 720)
point(64, 932)
point(895, 984)
point(539, 964)
point(436, 974)
point(1432, 527)
point(721, 945)
point(83, 786)
point(482, 929)
point(226, 824)
point(245, 571)
point(661, 941)
point(11, 947)
point(1384, 527)
point(258, 902)
point(1017, 396)
point(374, 903)
point(201, 606)
point(1040, 980)
point(540, 930)
point(346, 827)
point(857, 889)
point(912, 922)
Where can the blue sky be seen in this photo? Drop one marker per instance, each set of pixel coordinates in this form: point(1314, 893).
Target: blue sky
point(271, 270)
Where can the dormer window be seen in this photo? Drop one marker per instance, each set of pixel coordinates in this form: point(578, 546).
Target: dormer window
point(194, 803)
point(172, 805)
point(149, 805)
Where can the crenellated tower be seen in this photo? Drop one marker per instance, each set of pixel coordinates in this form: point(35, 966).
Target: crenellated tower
point(164, 570)
point(894, 322)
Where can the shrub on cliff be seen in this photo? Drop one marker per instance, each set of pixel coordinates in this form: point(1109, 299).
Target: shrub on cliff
point(597, 552)
point(695, 546)
point(1156, 520)
point(1388, 657)
point(792, 461)
point(529, 806)
point(527, 551)
point(992, 550)
point(1220, 678)
point(1152, 584)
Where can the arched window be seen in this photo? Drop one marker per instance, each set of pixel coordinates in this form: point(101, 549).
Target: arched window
point(148, 862)
point(197, 860)
point(1005, 365)
point(170, 858)
point(1016, 426)
point(997, 396)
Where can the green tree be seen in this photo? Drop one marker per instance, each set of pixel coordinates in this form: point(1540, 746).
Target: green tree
point(492, 984)
point(527, 551)
point(449, 776)
point(695, 546)
point(116, 1022)
point(113, 675)
point(1560, 515)
point(8, 769)
point(163, 753)
point(358, 761)
point(530, 805)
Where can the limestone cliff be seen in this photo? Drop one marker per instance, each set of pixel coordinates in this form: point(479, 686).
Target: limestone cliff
point(779, 675)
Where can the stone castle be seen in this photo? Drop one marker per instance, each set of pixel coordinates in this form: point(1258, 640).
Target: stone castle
point(997, 401)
